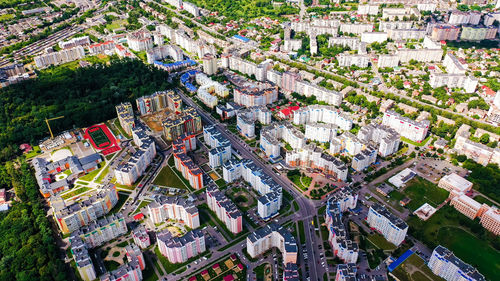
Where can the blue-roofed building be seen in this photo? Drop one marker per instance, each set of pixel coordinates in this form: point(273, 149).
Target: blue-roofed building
point(241, 38)
point(400, 260)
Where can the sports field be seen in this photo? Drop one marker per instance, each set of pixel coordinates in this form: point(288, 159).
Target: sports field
point(99, 137)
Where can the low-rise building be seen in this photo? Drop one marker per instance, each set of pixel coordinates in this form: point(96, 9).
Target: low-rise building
point(455, 183)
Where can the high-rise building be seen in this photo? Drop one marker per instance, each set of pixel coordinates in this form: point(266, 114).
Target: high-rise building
point(188, 122)
point(346, 272)
point(323, 114)
point(141, 237)
point(184, 163)
point(175, 208)
point(446, 265)
point(225, 209)
point(415, 131)
point(390, 226)
point(57, 58)
point(125, 114)
point(140, 41)
point(180, 249)
point(273, 236)
point(106, 229)
point(220, 151)
point(385, 138)
point(209, 64)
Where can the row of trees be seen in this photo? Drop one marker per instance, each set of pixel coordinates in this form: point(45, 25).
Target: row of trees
point(85, 96)
point(27, 248)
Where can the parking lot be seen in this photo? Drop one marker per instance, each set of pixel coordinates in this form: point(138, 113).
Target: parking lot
point(434, 169)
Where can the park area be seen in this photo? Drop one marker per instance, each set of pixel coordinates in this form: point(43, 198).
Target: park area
point(421, 191)
point(466, 238)
point(415, 269)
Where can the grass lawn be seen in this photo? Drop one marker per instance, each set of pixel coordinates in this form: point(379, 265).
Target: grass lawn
point(111, 265)
point(302, 232)
point(148, 273)
point(90, 176)
point(122, 132)
point(422, 274)
point(416, 143)
point(102, 175)
point(481, 199)
point(36, 151)
point(167, 177)
point(75, 192)
point(171, 267)
point(115, 24)
point(302, 182)
point(121, 200)
point(221, 183)
point(141, 205)
point(467, 239)
point(259, 271)
point(421, 191)
point(6, 17)
point(380, 242)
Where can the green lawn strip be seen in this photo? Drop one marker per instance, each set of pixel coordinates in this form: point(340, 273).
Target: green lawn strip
point(380, 242)
point(113, 129)
point(169, 177)
point(148, 274)
point(483, 200)
point(171, 267)
point(296, 206)
point(35, 152)
point(90, 176)
point(416, 143)
point(421, 191)
point(259, 271)
point(234, 242)
point(102, 174)
point(121, 200)
point(302, 232)
point(74, 192)
point(221, 183)
point(141, 205)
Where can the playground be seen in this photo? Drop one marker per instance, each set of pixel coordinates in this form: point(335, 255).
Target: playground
point(101, 139)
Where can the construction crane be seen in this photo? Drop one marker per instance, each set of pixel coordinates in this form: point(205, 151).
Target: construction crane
point(48, 125)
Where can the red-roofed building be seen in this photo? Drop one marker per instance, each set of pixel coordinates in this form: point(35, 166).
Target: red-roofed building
point(240, 266)
point(192, 278)
point(139, 217)
point(229, 277)
point(25, 148)
point(287, 113)
point(233, 257)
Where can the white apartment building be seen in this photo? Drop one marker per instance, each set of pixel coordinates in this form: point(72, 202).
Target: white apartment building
point(346, 60)
point(225, 209)
point(77, 41)
point(364, 159)
point(387, 61)
point(307, 89)
point(349, 143)
point(180, 38)
point(420, 55)
point(368, 9)
point(140, 41)
point(343, 248)
point(355, 28)
point(413, 130)
point(221, 147)
point(390, 226)
point(106, 229)
point(141, 237)
point(385, 138)
point(191, 8)
point(209, 64)
point(453, 65)
point(320, 132)
point(352, 42)
point(450, 80)
point(246, 118)
point(173, 207)
point(57, 58)
point(286, 132)
point(406, 34)
point(459, 18)
point(128, 173)
point(371, 37)
point(386, 25)
point(161, 52)
point(311, 156)
point(271, 193)
point(446, 265)
point(273, 236)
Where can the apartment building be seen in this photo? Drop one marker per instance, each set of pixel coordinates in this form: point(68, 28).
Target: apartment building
point(125, 114)
point(220, 151)
point(346, 272)
point(255, 96)
point(355, 28)
point(446, 265)
point(188, 122)
point(57, 58)
point(387, 25)
point(415, 131)
point(130, 271)
point(209, 64)
point(158, 101)
point(101, 48)
point(180, 38)
point(269, 203)
point(311, 156)
point(103, 230)
point(444, 32)
point(180, 249)
point(141, 237)
point(307, 89)
point(76, 41)
point(349, 143)
point(164, 51)
point(372, 37)
point(322, 113)
point(70, 218)
point(140, 41)
point(364, 159)
point(191, 8)
point(455, 183)
point(478, 152)
point(420, 55)
point(46, 172)
point(478, 33)
point(491, 220)
point(247, 67)
point(406, 34)
point(209, 90)
point(388, 61)
point(454, 65)
point(174, 208)
point(184, 164)
point(468, 206)
point(352, 43)
point(246, 118)
point(273, 236)
point(128, 173)
point(385, 138)
point(283, 131)
point(134, 253)
point(338, 237)
point(81, 255)
point(368, 9)
point(390, 226)
point(347, 60)
point(459, 18)
point(450, 80)
point(225, 209)
point(320, 132)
